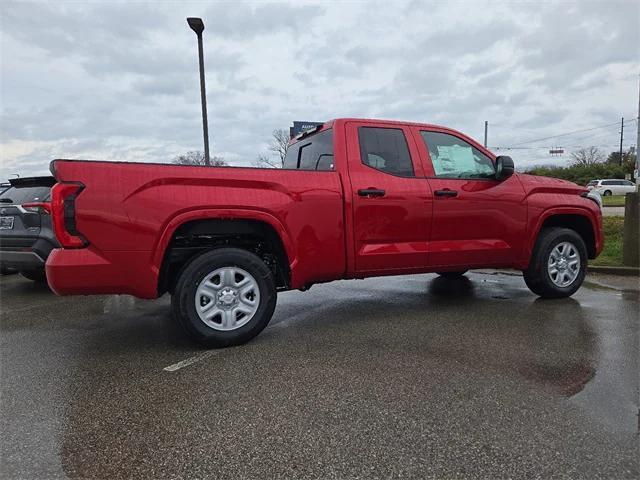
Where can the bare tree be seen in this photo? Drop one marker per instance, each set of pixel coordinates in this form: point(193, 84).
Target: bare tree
point(587, 156)
point(197, 158)
point(280, 143)
point(264, 161)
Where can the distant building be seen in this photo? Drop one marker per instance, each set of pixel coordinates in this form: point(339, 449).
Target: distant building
point(299, 127)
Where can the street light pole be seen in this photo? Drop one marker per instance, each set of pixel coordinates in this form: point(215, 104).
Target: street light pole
point(197, 25)
point(637, 169)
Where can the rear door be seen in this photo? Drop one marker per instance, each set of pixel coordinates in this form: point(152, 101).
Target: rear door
point(392, 202)
point(477, 220)
point(607, 187)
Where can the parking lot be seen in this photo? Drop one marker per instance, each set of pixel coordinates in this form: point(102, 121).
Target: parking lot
point(399, 377)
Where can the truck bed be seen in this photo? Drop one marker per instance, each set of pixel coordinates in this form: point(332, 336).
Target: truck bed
point(128, 212)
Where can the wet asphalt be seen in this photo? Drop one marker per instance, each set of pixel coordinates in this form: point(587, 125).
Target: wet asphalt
point(399, 377)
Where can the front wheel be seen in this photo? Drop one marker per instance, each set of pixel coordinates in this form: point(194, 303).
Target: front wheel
point(607, 193)
point(558, 264)
point(224, 297)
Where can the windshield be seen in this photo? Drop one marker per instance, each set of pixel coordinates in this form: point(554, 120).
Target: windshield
point(20, 195)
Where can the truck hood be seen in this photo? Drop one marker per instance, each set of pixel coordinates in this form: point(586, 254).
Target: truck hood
point(533, 183)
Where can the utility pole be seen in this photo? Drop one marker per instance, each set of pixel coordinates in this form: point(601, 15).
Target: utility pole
point(637, 169)
point(621, 137)
point(197, 25)
point(486, 129)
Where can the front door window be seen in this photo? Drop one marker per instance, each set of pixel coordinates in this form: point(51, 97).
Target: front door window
point(452, 157)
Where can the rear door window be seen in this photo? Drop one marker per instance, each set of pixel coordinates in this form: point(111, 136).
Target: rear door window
point(311, 153)
point(385, 149)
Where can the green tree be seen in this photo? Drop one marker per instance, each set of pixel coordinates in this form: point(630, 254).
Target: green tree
point(582, 174)
point(627, 157)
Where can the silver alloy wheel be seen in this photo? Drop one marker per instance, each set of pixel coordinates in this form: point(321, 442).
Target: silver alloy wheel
point(227, 298)
point(564, 264)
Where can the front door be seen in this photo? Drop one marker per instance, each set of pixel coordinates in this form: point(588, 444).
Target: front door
point(391, 203)
point(477, 220)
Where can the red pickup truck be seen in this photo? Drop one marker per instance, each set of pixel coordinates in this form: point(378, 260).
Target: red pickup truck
point(356, 198)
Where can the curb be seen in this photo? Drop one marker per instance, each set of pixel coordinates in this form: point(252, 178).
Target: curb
point(625, 271)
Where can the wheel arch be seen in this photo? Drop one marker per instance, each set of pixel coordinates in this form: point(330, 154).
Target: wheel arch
point(576, 219)
point(200, 230)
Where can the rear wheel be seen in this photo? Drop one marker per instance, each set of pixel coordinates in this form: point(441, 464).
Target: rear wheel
point(38, 276)
point(558, 265)
point(224, 297)
point(452, 274)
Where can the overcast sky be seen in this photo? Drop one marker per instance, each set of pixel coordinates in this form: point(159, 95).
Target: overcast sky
point(119, 81)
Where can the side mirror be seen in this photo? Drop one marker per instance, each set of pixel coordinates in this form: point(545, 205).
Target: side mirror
point(504, 167)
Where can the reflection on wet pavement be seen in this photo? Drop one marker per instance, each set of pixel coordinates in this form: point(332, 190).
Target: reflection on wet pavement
point(403, 376)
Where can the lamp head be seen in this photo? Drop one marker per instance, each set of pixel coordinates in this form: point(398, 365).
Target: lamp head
point(196, 24)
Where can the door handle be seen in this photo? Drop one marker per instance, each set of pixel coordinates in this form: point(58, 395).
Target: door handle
point(371, 192)
point(446, 193)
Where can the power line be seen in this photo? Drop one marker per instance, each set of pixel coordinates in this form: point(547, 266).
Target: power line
point(517, 146)
point(546, 147)
point(571, 133)
point(588, 138)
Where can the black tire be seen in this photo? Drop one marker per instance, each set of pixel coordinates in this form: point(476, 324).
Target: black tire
point(38, 276)
point(452, 274)
point(537, 276)
point(607, 193)
point(183, 299)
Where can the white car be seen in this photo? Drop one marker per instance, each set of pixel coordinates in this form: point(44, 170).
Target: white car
point(612, 186)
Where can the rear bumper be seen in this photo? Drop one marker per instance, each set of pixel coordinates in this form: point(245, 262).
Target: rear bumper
point(84, 271)
point(25, 253)
point(21, 260)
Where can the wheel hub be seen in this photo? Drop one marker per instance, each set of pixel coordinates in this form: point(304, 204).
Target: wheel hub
point(563, 265)
point(227, 297)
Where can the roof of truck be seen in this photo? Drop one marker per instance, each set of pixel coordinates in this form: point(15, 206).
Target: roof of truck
point(330, 123)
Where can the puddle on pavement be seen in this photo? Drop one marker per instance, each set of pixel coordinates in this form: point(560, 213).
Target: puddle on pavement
point(566, 380)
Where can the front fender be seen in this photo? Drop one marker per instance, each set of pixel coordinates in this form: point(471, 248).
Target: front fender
point(538, 219)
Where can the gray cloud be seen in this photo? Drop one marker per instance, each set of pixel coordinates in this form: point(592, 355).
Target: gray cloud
point(119, 80)
point(241, 20)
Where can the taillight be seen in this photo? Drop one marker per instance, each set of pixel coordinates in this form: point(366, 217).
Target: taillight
point(37, 207)
point(63, 214)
